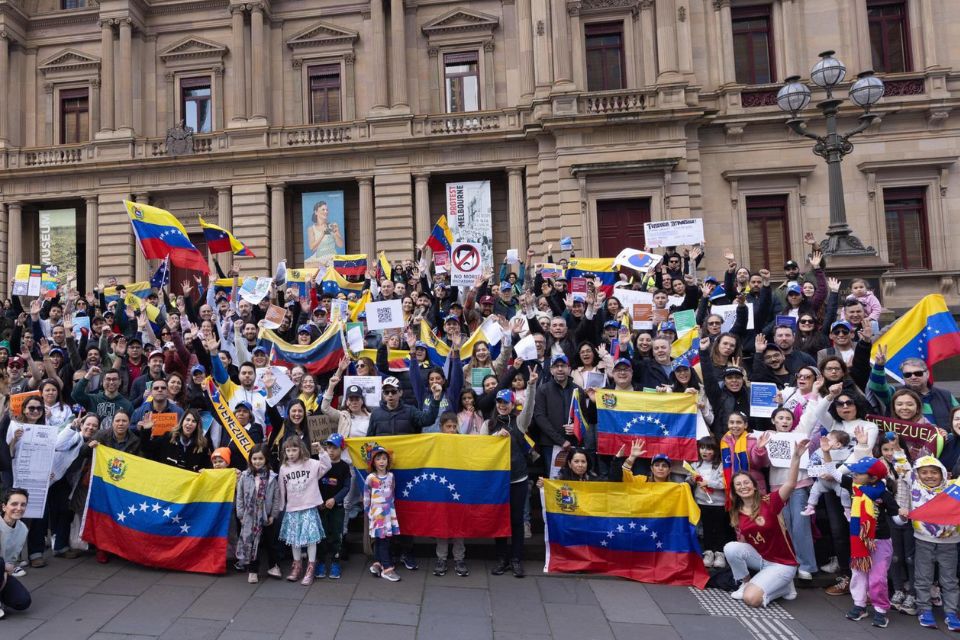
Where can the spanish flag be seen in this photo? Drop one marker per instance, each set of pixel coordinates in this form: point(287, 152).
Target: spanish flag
point(320, 356)
point(219, 240)
point(157, 515)
point(645, 532)
point(666, 422)
point(160, 234)
point(447, 485)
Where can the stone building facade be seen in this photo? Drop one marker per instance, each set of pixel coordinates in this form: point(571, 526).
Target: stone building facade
point(588, 117)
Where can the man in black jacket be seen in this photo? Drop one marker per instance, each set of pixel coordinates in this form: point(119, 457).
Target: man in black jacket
point(551, 415)
point(393, 418)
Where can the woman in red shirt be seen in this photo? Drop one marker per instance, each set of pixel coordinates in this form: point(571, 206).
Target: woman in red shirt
point(763, 544)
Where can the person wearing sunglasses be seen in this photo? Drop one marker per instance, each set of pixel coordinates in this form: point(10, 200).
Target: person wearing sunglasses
point(937, 404)
point(33, 414)
point(810, 338)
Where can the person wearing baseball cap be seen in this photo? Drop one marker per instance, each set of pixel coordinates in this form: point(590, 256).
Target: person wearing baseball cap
point(305, 333)
point(393, 417)
point(769, 363)
point(334, 487)
point(154, 372)
point(622, 375)
point(505, 423)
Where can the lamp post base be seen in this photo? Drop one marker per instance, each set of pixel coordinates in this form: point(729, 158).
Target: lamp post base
point(846, 257)
point(841, 241)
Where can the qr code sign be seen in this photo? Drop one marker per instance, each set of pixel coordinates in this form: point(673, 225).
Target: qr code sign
point(781, 449)
point(384, 315)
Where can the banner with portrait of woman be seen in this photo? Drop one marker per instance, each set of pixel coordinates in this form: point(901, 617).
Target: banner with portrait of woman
point(324, 231)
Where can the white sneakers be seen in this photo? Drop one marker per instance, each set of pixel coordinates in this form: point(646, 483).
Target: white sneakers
point(831, 567)
point(719, 561)
point(708, 559)
point(804, 575)
point(738, 594)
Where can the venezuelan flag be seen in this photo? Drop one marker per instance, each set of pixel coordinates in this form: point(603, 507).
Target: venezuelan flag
point(928, 331)
point(644, 532)
point(441, 238)
point(386, 271)
point(666, 422)
point(300, 278)
point(320, 356)
point(352, 265)
point(580, 426)
point(160, 234)
point(397, 359)
point(358, 307)
point(943, 509)
point(334, 284)
point(157, 515)
point(219, 240)
point(602, 268)
point(548, 270)
point(438, 350)
point(447, 485)
point(139, 289)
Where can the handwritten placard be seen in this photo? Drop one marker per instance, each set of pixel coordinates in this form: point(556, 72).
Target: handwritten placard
point(163, 423)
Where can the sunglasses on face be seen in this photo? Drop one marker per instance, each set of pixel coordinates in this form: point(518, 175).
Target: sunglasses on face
point(390, 392)
point(840, 332)
point(806, 321)
point(913, 374)
point(33, 407)
point(844, 403)
point(714, 324)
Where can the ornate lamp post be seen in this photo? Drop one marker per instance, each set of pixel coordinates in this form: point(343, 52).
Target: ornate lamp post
point(833, 146)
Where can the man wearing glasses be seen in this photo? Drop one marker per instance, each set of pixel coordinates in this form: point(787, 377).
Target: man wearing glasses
point(159, 403)
point(394, 418)
point(937, 403)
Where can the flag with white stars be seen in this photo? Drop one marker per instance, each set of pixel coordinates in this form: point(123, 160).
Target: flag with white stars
point(158, 515)
point(928, 331)
point(668, 423)
point(645, 532)
point(447, 485)
point(160, 234)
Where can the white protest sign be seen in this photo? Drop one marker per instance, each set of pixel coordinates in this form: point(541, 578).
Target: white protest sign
point(673, 233)
point(273, 318)
point(278, 380)
point(355, 340)
point(780, 449)
point(763, 399)
point(384, 315)
point(466, 264)
point(492, 329)
point(513, 256)
point(254, 290)
point(34, 461)
point(526, 349)
point(370, 385)
point(637, 260)
point(729, 314)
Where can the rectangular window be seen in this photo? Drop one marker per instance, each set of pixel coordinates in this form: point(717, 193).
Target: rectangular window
point(325, 93)
point(74, 116)
point(73, 4)
point(767, 231)
point(461, 72)
point(196, 104)
point(888, 35)
point(604, 45)
point(905, 211)
point(753, 45)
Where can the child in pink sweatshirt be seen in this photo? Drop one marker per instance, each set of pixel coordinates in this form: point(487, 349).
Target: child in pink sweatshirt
point(300, 496)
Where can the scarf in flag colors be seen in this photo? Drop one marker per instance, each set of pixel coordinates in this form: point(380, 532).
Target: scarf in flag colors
point(158, 515)
point(447, 485)
point(863, 524)
point(320, 356)
point(666, 422)
point(733, 460)
point(645, 532)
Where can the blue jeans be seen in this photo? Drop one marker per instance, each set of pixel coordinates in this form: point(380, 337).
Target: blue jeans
point(799, 527)
point(772, 578)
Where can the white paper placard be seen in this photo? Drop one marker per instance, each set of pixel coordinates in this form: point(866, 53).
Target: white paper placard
point(673, 233)
point(281, 385)
point(526, 348)
point(384, 315)
point(729, 314)
point(780, 449)
point(466, 264)
point(371, 386)
point(34, 461)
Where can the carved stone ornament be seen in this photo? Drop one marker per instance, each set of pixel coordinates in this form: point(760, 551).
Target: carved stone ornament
point(460, 20)
point(179, 140)
point(69, 61)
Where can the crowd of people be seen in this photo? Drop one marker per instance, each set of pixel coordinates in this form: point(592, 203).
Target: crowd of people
point(845, 513)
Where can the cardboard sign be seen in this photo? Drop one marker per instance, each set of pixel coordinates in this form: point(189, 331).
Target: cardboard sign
point(273, 318)
point(17, 400)
point(919, 439)
point(673, 233)
point(321, 426)
point(466, 264)
point(163, 423)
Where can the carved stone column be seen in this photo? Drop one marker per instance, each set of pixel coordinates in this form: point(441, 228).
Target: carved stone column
point(257, 54)
point(14, 237)
point(278, 223)
point(92, 232)
point(125, 75)
point(379, 55)
point(724, 19)
point(107, 101)
point(4, 82)
point(398, 57)
point(421, 200)
point(368, 232)
point(666, 17)
point(562, 65)
point(238, 65)
point(518, 214)
point(525, 45)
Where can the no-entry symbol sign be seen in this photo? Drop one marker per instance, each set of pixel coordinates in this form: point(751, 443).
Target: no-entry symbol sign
point(466, 264)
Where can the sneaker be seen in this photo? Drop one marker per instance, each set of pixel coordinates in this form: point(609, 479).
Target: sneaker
point(719, 561)
point(517, 567)
point(935, 598)
point(501, 568)
point(909, 606)
point(880, 620)
point(897, 599)
point(295, 569)
point(19, 572)
point(252, 578)
point(804, 575)
point(857, 613)
point(708, 558)
point(791, 592)
point(927, 620)
point(842, 587)
point(376, 568)
point(274, 572)
point(390, 574)
point(461, 568)
point(738, 594)
point(440, 567)
point(831, 567)
point(2, 613)
point(335, 572)
point(808, 511)
point(321, 571)
point(953, 622)
point(527, 531)
point(409, 562)
point(308, 576)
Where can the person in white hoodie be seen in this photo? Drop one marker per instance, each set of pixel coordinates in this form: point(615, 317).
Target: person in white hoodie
point(936, 544)
point(708, 490)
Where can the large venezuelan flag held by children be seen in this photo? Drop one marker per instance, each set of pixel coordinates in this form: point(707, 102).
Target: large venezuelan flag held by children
point(644, 532)
point(157, 515)
point(320, 356)
point(928, 331)
point(666, 422)
point(447, 485)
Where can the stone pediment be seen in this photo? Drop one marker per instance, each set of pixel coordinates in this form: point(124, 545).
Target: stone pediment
point(459, 21)
point(323, 34)
point(69, 60)
point(192, 48)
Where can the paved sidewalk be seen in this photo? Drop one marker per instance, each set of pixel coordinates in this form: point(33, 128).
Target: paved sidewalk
point(80, 599)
